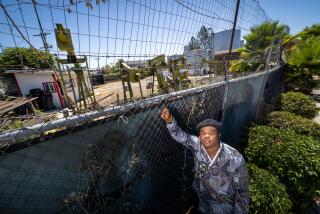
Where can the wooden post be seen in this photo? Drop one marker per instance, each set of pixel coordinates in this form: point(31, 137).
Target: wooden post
point(130, 88)
point(124, 90)
point(73, 91)
point(61, 80)
point(91, 81)
point(140, 88)
point(153, 82)
point(118, 99)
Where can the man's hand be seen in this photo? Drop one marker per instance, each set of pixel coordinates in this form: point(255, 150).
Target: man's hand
point(166, 115)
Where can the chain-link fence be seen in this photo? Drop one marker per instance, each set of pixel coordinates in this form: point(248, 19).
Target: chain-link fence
point(116, 156)
point(122, 159)
point(108, 30)
point(134, 31)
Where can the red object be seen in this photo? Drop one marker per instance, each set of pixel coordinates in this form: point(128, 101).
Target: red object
point(15, 79)
point(56, 86)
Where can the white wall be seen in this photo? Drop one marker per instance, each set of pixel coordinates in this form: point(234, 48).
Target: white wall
point(194, 58)
point(29, 80)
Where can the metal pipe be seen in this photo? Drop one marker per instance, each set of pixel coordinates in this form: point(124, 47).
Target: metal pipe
point(266, 69)
point(226, 77)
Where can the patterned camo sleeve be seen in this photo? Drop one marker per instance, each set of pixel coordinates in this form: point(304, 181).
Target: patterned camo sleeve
point(241, 182)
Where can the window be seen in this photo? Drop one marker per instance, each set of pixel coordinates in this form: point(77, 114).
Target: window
point(49, 86)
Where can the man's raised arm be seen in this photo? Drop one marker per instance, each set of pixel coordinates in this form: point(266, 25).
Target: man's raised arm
point(176, 132)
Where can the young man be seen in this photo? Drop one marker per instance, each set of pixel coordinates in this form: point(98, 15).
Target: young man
point(221, 177)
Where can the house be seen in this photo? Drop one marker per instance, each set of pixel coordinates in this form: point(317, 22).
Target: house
point(137, 63)
point(47, 80)
point(174, 57)
point(223, 55)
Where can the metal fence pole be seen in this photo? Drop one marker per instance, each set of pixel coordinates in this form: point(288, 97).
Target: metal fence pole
point(226, 72)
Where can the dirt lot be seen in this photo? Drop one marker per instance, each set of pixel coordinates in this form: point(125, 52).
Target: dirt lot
point(106, 94)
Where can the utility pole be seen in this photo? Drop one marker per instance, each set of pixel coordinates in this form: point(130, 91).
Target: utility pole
point(231, 42)
point(42, 34)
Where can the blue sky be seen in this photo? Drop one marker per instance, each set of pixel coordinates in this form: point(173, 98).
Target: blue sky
point(296, 13)
point(118, 29)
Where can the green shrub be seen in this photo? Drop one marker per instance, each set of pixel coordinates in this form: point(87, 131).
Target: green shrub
point(299, 103)
point(28, 57)
point(292, 157)
point(112, 76)
point(287, 120)
point(267, 194)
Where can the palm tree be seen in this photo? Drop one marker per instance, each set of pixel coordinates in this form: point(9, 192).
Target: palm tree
point(303, 59)
point(254, 54)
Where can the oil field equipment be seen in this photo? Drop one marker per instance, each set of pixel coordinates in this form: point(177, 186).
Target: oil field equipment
point(180, 79)
point(64, 43)
point(128, 75)
point(155, 67)
point(177, 81)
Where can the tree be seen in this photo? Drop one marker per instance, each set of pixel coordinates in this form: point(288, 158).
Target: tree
point(26, 57)
point(203, 40)
point(306, 55)
point(302, 55)
point(240, 66)
point(194, 44)
point(313, 31)
point(106, 69)
point(258, 41)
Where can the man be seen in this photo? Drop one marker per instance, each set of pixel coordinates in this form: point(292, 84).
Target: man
point(221, 177)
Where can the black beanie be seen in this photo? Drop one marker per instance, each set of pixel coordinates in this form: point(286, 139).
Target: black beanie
point(209, 122)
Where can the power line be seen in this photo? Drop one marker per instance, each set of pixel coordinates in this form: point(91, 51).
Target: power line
point(42, 34)
point(23, 20)
point(136, 28)
point(13, 23)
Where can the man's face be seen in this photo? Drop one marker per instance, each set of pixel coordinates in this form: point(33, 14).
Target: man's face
point(165, 112)
point(209, 136)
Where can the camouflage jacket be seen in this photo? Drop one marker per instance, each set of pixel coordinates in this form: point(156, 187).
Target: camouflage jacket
point(221, 183)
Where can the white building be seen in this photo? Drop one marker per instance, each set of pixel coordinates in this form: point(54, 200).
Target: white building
point(174, 57)
point(196, 59)
point(221, 40)
point(48, 80)
point(137, 63)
